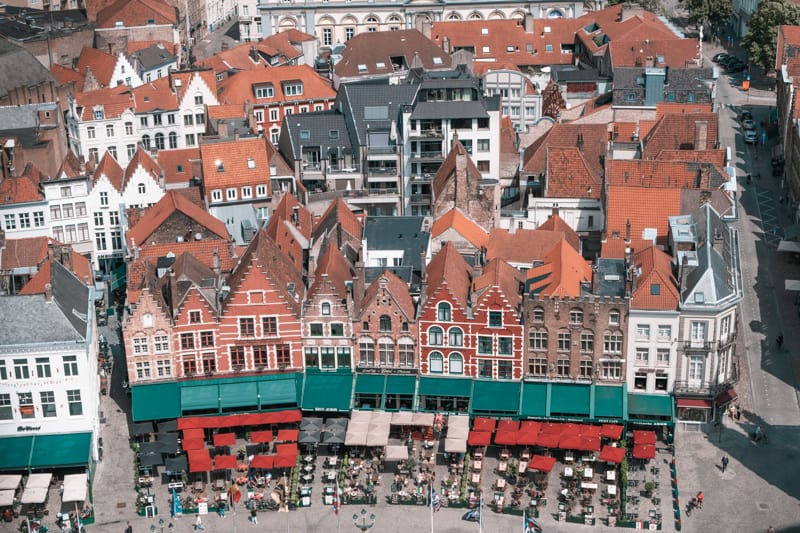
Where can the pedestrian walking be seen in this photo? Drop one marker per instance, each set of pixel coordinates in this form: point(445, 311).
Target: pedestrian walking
point(770, 529)
point(129, 529)
point(254, 516)
point(699, 499)
point(198, 524)
point(724, 463)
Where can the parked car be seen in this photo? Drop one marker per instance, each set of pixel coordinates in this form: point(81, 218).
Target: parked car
point(729, 59)
point(750, 136)
point(745, 115)
point(734, 68)
point(749, 124)
point(719, 57)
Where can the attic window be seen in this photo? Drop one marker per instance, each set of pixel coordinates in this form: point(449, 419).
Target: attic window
point(660, 59)
point(251, 163)
point(437, 60)
point(509, 48)
point(146, 98)
point(484, 31)
point(333, 134)
point(179, 168)
point(548, 48)
point(485, 49)
point(305, 135)
point(98, 114)
point(151, 21)
point(220, 165)
point(362, 68)
point(699, 298)
point(655, 289)
point(379, 64)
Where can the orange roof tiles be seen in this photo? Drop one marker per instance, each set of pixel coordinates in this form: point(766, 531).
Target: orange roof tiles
point(524, 246)
point(109, 168)
point(673, 52)
point(113, 100)
point(643, 207)
point(569, 175)
point(24, 253)
point(562, 274)
point(241, 87)
point(65, 76)
point(235, 163)
point(456, 220)
point(556, 223)
point(141, 158)
point(656, 287)
point(371, 53)
point(600, 27)
point(70, 167)
point(173, 202)
point(396, 287)
point(81, 267)
point(178, 164)
point(447, 171)
point(715, 157)
point(239, 58)
point(334, 268)
point(156, 95)
point(280, 165)
point(290, 235)
point(676, 131)
point(614, 247)
point(136, 13)
point(23, 188)
point(651, 173)
point(202, 250)
point(787, 36)
point(664, 108)
point(216, 112)
point(338, 212)
point(448, 267)
point(498, 273)
point(101, 64)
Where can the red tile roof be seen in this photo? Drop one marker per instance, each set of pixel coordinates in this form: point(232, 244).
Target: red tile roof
point(291, 237)
point(664, 108)
point(244, 162)
point(23, 188)
point(374, 51)
point(556, 223)
point(136, 13)
point(673, 52)
point(676, 131)
point(524, 246)
point(338, 212)
point(109, 168)
point(177, 164)
point(498, 273)
point(334, 268)
point(715, 157)
point(614, 247)
point(239, 58)
point(643, 207)
point(141, 158)
point(448, 267)
point(600, 27)
point(81, 267)
point(447, 171)
point(787, 35)
point(241, 87)
point(25, 253)
point(277, 161)
point(155, 95)
point(70, 167)
point(570, 176)
point(653, 173)
point(461, 224)
point(216, 112)
point(562, 274)
point(100, 63)
point(173, 202)
point(656, 288)
point(396, 287)
point(202, 250)
point(284, 46)
point(114, 101)
point(65, 76)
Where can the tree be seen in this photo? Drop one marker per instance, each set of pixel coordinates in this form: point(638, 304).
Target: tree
point(654, 6)
point(761, 39)
point(702, 12)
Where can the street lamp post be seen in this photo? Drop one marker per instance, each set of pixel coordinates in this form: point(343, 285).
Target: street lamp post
point(364, 522)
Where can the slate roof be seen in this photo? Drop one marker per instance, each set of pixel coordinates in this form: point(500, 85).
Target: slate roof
point(678, 78)
point(154, 56)
point(456, 220)
point(656, 287)
point(378, 96)
point(562, 274)
point(20, 68)
point(676, 131)
point(314, 130)
point(448, 267)
point(136, 13)
point(449, 110)
point(398, 233)
point(19, 117)
point(643, 207)
point(374, 51)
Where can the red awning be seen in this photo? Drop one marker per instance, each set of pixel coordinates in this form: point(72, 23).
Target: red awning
point(611, 454)
point(644, 451)
point(284, 461)
point(287, 435)
point(287, 449)
point(611, 431)
point(479, 438)
point(507, 425)
point(261, 436)
point(262, 461)
point(644, 437)
point(591, 431)
point(194, 434)
point(199, 460)
point(542, 463)
point(193, 444)
point(483, 424)
point(222, 462)
point(506, 438)
point(547, 440)
point(223, 439)
point(249, 419)
point(726, 397)
point(694, 402)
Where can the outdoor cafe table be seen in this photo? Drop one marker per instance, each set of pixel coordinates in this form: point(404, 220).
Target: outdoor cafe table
point(586, 485)
point(612, 490)
point(568, 471)
point(308, 469)
point(330, 476)
point(477, 465)
point(588, 473)
point(306, 478)
point(611, 475)
point(308, 459)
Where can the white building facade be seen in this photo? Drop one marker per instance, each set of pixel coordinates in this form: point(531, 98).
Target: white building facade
point(67, 200)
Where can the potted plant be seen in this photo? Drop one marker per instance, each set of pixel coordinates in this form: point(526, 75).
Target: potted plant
point(649, 487)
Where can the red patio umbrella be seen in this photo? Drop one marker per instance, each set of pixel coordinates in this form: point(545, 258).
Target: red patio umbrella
point(551, 428)
point(193, 444)
point(286, 449)
point(644, 437)
point(482, 423)
point(530, 426)
point(570, 442)
point(285, 461)
point(287, 435)
point(261, 436)
point(542, 463)
point(479, 438)
point(591, 431)
point(570, 429)
point(548, 440)
point(507, 425)
point(612, 454)
point(506, 438)
point(611, 431)
point(644, 451)
point(194, 434)
point(223, 462)
point(224, 439)
point(590, 444)
point(199, 460)
point(262, 461)
point(527, 438)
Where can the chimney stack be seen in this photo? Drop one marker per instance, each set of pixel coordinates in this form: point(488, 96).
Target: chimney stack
point(700, 135)
point(48, 292)
point(628, 231)
point(217, 267)
point(462, 191)
point(173, 293)
point(66, 257)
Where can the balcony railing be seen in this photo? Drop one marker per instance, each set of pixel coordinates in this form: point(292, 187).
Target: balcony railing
point(696, 345)
point(427, 154)
point(383, 171)
point(420, 198)
point(382, 149)
point(360, 193)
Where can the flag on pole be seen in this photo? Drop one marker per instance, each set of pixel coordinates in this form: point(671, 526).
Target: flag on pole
point(530, 524)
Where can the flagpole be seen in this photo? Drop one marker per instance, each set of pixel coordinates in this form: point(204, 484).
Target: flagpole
point(430, 493)
point(336, 502)
point(480, 514)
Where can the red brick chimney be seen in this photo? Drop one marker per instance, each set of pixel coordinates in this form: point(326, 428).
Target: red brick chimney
point(462, 191)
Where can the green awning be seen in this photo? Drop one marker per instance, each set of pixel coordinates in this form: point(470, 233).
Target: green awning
point(534, 399)
point(609, 401)
point(401, 385)
point(278, 392)
point(159, 401)
point(451, 387)
point(567, 399)
point(650, 405)
point(15, 452)
point(61, 450)
point(496, 397)
point(327, 392)
point(199, 397)
point(238, 394)
point(370, 383)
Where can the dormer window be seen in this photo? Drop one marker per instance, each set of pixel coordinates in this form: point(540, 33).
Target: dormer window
point(362, 68)
point(293, 89)
point(265, 91)
point(251, 163)
point(333, 134)
point(151, 21)
point(437, 60)
point(305, 135)
point(98, 114)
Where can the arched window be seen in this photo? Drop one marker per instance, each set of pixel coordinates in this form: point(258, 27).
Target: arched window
point(443, 312)
point(453, 16)
point(386, 323)
point(173, 140)
point(159, 141)
point(456, 364)
point(475, 16)
point(141, 188)
point(326, 309)
point(435, 336)
point(436, 363)
point(372, 23)
point(455, 337)
point(146, 142)
point(555, 14)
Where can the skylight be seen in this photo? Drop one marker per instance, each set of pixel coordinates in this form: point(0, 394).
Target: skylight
point(437, 60)
point(362, 68)
point(380, 64)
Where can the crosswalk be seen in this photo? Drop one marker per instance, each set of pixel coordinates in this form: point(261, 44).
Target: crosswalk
point(770, 217)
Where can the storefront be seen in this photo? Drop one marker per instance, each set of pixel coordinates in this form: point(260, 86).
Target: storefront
point(447, 395)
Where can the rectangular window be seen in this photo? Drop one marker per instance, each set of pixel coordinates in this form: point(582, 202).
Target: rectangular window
point(3, 371)
point(537, 340)
point(161, 343)
point(247, 193)
point(564, 341)
point(104, 198)
point(83, 232)
point(21, 370)
point(643, 331)
point(70, 365)
point(198, 100)
point(116, 239)
point(11, 221)
point(495, 319)
point(505, 370)
point(109, 130)
point(406, 353)
point(43, 367)
point(612, 344)
point(194, 317)
point(24, 220)
point(311, 356)
point(206, 339)
point(74, 400)
point(187, 341)
point(642, 355)
point(209, 363)
point(662, 355)
point(327, 36)
point(343, 357)
point(68, 211)
point(613, 318)
point(200, 119)
point(327, 357)
point(537, 366)
point(337, 329)
point(283, 355)
point(189, 366)
point(143, 121)
point(113, 218)
point(273, 115)
point(483, 145)
point(237, 356)
point(98, 219)
point(483, 166)
point(55, 212)
point(269, 325)
point(366, 351)
point(698, 331)
point(140, 346)
point(562, 367)
point(315, 330)
point(292, 89)
point(48, 399)
point(587, 342)
point(164, 368)
point(6, 412)
point(586, 369)
point(247, 327)
point(260, 356)
point(664, 332)
point(386, 353)
point(612, 369)
point(484, 345)
point(100, 241)
point(485, 368)
point(90, 132)
point(265, 91)
point(26, 409)
point(504, 345)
